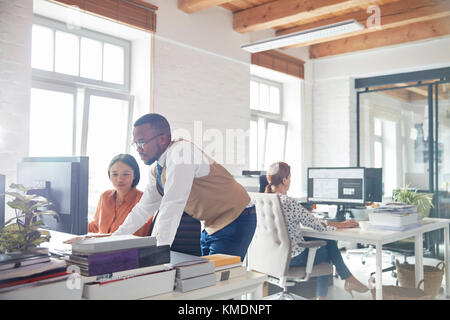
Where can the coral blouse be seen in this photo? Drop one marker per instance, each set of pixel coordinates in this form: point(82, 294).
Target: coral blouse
point(108, 217)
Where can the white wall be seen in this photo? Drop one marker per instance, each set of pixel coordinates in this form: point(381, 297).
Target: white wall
point(334, 97)
point(15, 83)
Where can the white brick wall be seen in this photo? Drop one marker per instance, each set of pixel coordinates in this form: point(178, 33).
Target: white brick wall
point(195, 85)
point(15, 82)
point(333, 123)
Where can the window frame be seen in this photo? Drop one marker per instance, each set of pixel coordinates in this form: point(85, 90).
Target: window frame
point(94, 35)
point(66, 88)
point(267, 114)
point(266, 118)
point(88, 92)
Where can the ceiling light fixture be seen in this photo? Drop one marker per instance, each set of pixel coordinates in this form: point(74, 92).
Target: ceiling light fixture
point(304, 36)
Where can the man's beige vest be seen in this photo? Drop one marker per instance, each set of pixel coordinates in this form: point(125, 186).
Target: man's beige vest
point(217, 199)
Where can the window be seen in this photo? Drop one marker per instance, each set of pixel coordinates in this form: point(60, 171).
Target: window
point(80, 100)
point(385, 146)
point(267, 130)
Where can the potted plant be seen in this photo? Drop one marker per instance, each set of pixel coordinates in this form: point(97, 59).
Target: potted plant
point(21, 233)
point(423, 201)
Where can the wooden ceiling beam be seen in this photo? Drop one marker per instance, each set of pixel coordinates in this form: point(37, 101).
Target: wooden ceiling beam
point(277, 13)
point(393, 14)
point(408, 33)
point(191, 6)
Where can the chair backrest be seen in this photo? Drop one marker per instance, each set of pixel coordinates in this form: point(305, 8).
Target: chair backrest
point(270, 249)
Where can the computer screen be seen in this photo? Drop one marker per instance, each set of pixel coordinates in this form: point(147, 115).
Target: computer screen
point(350, 186)
point(64, 181)
point(2, 199)
point(253, 181)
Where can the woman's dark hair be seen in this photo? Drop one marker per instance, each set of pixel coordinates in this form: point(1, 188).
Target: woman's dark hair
point(276, 173)
point(129, 160)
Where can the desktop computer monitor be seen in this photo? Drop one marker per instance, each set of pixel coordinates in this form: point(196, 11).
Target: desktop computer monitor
point(2, 199)
point(253, 181)
point(346, 187)
point(64, 182)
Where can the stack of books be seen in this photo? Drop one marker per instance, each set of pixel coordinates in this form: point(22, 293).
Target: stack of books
point(192, 272)
point(110, 266)
point(227, 266)
point(395, 216)
point(34, 275)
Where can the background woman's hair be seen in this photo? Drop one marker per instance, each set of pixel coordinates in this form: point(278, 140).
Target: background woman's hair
point(276, 173)
point(128, 159)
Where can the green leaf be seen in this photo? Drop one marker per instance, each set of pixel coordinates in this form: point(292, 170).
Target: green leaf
point(18, 187)
point(16, 195)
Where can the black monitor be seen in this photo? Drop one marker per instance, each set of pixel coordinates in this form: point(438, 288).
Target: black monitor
point(253, 181)
point(2, 199)
point(64, 181)
point(346, 187)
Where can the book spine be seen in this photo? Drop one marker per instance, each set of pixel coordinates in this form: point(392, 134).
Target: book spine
point(155, 255)
point(110, 262)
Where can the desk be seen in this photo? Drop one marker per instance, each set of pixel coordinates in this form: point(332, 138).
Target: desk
point(250, 284)
point(379, 237)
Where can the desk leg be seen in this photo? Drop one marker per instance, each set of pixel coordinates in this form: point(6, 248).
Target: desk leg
point(446, 261)
point(379, 272)
point(418, 252)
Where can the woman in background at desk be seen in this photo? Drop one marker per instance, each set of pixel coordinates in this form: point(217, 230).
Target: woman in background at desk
point(115, 205)
point(279, 178)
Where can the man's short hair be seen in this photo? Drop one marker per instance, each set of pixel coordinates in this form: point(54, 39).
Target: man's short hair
point(156, 121)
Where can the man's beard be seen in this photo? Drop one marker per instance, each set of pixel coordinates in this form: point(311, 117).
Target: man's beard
point(150, 161)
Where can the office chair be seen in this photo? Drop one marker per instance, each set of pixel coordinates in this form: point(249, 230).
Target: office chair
point(270, 249)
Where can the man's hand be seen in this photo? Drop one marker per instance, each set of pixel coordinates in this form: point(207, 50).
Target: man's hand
point(78, 239)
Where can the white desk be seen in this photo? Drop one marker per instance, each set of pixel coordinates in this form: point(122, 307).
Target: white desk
point(250, 285)
point(378, 238)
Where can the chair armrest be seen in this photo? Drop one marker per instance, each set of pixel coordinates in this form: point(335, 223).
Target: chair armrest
point(312, 244)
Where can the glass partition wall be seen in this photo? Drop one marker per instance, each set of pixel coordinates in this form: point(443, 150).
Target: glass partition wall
point(403, 125)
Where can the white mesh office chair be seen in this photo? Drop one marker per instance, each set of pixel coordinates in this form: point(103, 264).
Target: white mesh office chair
point(270, 249)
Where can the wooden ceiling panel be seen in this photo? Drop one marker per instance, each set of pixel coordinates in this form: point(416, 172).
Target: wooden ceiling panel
point(282, 12)
point(399, 20)
point(407, 33)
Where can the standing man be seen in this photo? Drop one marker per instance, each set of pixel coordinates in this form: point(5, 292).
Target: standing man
point(184, 179)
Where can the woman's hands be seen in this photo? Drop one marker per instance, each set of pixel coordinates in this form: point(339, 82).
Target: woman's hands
point(344, 224)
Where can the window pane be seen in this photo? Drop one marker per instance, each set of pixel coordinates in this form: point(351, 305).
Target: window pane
point(91, 59)
point(253, 145)
point(254, 95)
point(66, 53)
point(107, 133)
point(377, 127)
point(51, 123)
point(113, 63)
point(274, 100)
point(261, 141)
point(275, 140)
point(378, 154)
point(42, 48)
point(264, 97)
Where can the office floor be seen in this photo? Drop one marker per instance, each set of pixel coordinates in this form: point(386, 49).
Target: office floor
point(362, 273)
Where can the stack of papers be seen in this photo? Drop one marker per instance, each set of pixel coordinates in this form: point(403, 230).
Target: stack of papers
point(396, 208)
point(227, 266)
point(395, 216)
point(34, 274)
point(192, 272)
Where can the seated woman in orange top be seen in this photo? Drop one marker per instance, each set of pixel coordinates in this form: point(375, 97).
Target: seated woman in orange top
point(115, 205)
